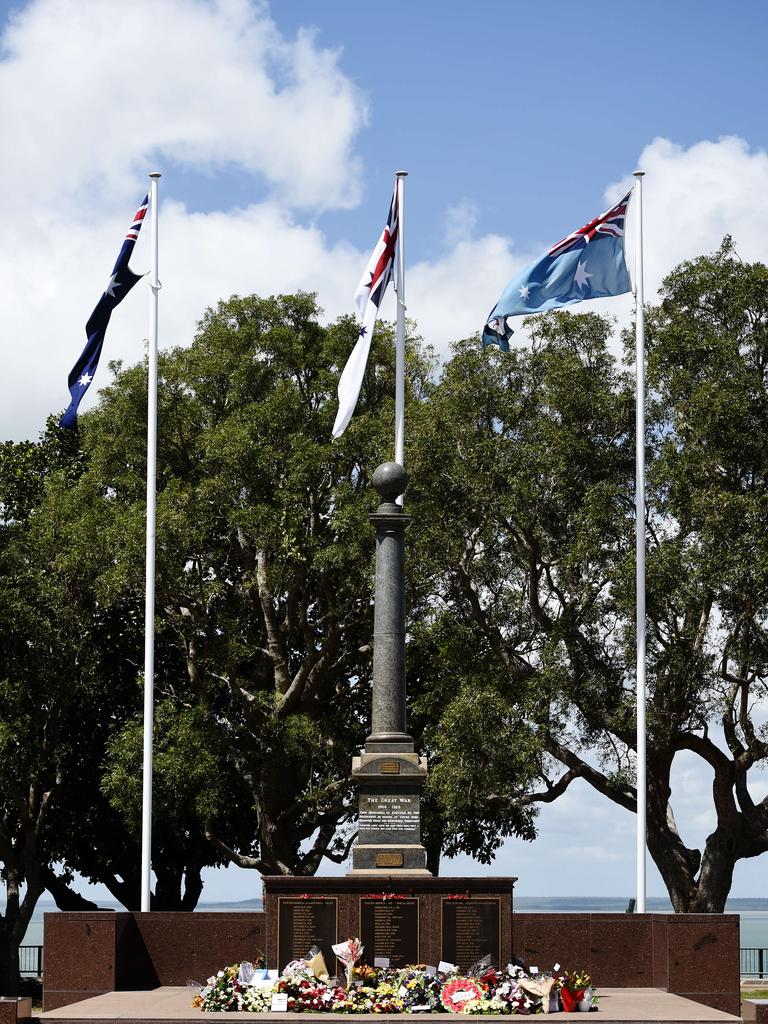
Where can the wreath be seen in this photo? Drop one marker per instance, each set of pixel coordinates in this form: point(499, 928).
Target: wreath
point(458, 992)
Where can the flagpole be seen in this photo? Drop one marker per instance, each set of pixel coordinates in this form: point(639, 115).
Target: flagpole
point(400, 335)
point(149, 604)
point(640, 542)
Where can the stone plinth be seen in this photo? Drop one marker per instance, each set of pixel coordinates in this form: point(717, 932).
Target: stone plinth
point(389, 826)
point(171, 1005)
point(13, 1009)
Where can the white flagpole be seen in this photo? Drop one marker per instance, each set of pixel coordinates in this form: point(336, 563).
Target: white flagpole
point(400, 336)
point(149, 605)
point(640, 540)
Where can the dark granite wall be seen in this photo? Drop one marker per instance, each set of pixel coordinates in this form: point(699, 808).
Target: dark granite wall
point(755, 1011)
point(104, 952)
point(429, 891)
point(694, 955)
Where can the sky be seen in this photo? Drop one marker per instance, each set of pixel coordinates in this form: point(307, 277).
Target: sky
point(278, 129)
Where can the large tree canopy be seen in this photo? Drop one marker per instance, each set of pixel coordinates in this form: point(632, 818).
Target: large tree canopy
point(525, 477)
point(520, 575)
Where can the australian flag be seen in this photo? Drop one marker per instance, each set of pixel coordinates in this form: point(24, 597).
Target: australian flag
point(120, 283)
point(587, 264)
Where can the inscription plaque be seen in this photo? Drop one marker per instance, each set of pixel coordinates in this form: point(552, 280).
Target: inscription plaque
point(390, 928)
point(304, 923)
point(389, 860)
point(470, 929)
point(389, 767)
point(383, 812)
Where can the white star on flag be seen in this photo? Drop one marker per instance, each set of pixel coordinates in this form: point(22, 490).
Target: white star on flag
point(581, 277)
point(525, 291)
point(85, 380)
point(110, 289)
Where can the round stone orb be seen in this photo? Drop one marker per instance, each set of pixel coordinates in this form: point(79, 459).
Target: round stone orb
point(390, 480)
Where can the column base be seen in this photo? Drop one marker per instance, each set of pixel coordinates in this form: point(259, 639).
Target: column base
point(389, 859)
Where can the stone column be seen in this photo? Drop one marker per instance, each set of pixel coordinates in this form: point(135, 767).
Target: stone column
point(389, 774)
point(388, 724)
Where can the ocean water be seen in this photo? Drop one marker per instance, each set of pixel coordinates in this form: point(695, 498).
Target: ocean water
point(753, 913)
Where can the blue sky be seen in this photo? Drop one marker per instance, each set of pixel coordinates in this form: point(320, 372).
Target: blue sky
point(278, 129)
point(528, 109)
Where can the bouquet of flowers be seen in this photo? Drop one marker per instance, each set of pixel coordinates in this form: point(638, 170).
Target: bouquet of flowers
point(222, 991)
point(349, 953)
point(387, 999)
point(382, 998)
point(419, 990)
point(413, 989)
point(573, 989)
point(487, 1005)
point(258, 998)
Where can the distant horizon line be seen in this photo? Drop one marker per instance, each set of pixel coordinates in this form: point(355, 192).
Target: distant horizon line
point(732, 901)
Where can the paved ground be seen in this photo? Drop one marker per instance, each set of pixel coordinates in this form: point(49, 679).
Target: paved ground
point(641, 1005)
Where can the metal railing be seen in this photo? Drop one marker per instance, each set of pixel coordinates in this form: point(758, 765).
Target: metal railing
point(753, 962)
point(31, 961)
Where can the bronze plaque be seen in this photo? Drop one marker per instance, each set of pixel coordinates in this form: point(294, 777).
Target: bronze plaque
point(389, 768)
point(389, 860)
point(390, 928)
point(469, 930)
point(304, 923)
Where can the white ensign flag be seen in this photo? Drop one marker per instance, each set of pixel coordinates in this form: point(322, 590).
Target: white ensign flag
point(368, 298)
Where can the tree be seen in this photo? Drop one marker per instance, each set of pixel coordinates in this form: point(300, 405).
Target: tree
point(264, 560)
point(47, 685)
point(526, 519)
point(521, 512)
point(709, 563)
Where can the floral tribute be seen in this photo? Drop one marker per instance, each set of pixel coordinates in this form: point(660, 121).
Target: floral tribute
point(305, 987)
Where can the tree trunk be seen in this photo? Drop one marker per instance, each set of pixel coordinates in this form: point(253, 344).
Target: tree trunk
point(721, 852)
point(193, 887)
point(168, 893)
point(677, 863)
point(696, 884)
point(9, 963)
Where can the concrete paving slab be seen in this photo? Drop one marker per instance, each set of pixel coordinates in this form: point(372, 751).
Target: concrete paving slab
point(161, 1005)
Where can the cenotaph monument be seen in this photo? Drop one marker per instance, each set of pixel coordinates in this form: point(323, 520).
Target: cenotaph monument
point(389, 774)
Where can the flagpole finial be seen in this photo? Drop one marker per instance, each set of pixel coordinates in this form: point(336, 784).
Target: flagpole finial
point(401, 174)
point(639, 174)
point(155, 174)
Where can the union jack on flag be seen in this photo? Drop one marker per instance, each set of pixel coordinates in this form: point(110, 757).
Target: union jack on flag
point(376, 277)
point(120, 283)
point(368, 296)
point(609, 223)
point(138, 220)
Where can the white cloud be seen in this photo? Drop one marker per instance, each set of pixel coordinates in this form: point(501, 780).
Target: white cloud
point(93, 92)
point(693, 197)
point(98, 96)
point(100, 89)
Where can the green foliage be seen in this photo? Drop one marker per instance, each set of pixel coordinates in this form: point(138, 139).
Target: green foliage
point(521, 585)
point(524, 518)
point(264, 570)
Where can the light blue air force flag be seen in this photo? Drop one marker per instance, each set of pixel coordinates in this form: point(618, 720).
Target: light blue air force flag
point(587, 264)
